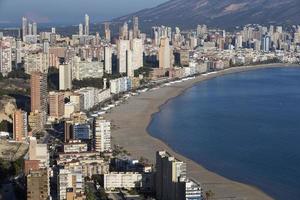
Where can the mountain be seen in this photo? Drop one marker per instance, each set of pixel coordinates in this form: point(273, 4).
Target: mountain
point(220, 13)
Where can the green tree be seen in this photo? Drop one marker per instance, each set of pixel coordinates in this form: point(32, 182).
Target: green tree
point(18, 73)
point(6, 126)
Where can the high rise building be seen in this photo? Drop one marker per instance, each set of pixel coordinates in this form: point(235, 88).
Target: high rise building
point(137, 55)
point(171, 178)
point(20, 125)
point(68, 131)
point(24, 27)
point(266, 43)
point(36, 120)
point(239, 41)
point(18, 51)
point(34, 28)
point(65, 77)
point(70, 181)
point(39, 94)
point(108, 59)
point(136, 31)
point(124, 32)
point(123, 55)
point(80, 27)
point(29, 29)
point(38, 187)
point(38, 152)
point(56, 104)
point(107, 33)
point(87, 25)
point(5, 57)
point(164, 54)
point(53, 30)
point(46, 46)
point(102, 136)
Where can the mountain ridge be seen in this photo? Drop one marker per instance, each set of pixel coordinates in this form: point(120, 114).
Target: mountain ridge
point(218, 13)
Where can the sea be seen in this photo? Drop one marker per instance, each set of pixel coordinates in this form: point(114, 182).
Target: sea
point(244, 126)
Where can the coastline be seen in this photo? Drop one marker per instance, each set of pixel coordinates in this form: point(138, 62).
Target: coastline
point(132, 119)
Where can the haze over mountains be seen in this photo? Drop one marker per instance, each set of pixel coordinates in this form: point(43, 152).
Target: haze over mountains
point(221, 13)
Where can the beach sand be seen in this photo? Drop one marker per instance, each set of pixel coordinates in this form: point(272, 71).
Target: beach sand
point(132, 118)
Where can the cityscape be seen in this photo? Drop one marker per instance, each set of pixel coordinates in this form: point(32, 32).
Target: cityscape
point(61, 95)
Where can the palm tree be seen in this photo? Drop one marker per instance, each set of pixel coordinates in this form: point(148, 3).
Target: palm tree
point(209, 194)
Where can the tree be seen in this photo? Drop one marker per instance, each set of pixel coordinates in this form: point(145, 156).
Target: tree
point(6, 126)
point(88, 82)
point(1, 76)
point(18, 73)
point(53, 78)
point(209, 194)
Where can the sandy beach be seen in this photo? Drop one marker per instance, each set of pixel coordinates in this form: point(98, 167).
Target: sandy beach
point(132, 118)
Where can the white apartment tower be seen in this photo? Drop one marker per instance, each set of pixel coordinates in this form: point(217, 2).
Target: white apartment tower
point(102, 136)
point(108, 59)
point(65, 77)
point(164, 54)
point(87, 25)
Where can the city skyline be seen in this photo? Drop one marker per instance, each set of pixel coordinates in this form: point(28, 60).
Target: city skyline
point(49, 13)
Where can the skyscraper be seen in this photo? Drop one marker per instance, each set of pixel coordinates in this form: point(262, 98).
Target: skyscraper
point(38, 86)
point(136, 30)
point(87, 25)
point(266, 43)
point(20, 125)
point(65, 77)
point(123, 55)
point(5, 57)
point(80, 27)
point(24, 27)
point(169, 171)
point(56, 104)
point(124, 32)
point(164, 54)
point(18, 51)
point(108, 59)
point(102, 135)
point(29, 29)
point(107, 33)
point(34, 28)
point(137, 53)
point(38, 187)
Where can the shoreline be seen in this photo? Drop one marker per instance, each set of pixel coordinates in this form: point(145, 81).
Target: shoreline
point(133, 118)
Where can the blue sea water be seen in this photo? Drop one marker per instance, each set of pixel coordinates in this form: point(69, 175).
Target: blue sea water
point(244, 126)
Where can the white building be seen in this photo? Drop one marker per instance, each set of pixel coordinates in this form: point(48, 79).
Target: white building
point(5, 57)
point(86, 69)
point(120, 85)
point(36, 61)
point(108, 59)
point(89, 97)
point(123, 49)
point(127, 180)
point(69, 109)
point(65, 77)
point(102, 135)
point(164, 56)
point(67, 179)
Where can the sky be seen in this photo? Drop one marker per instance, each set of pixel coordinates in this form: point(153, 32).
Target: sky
point(69, 11)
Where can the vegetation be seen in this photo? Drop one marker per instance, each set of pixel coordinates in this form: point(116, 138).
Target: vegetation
point(209, 194)
point(13, 92)
point(6, 126)
point(142, 70)
point(10, 169)
point(18, 73)
point(53, 79)
point(269, 61)
point(1, 76)
point(89, 194)
point(88, 82)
